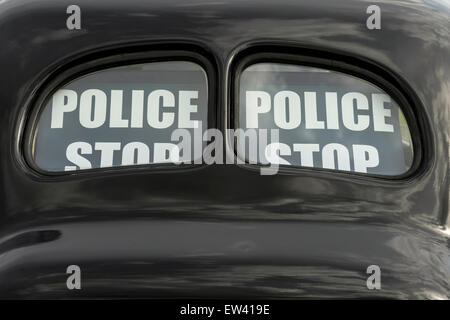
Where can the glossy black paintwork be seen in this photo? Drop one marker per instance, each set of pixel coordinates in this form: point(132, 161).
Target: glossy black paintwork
point(221, 231)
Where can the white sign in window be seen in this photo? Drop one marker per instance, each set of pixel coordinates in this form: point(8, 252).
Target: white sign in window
point(325, 119)
point(120, 116)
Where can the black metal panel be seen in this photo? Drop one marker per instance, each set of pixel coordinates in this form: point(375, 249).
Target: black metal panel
point(225, 230)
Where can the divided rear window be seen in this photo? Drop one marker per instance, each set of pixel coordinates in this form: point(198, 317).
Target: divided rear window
point(291, 115)
point(324, 119)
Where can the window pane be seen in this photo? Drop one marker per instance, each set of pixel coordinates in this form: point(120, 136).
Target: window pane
point(324, 119)
point(121, 116)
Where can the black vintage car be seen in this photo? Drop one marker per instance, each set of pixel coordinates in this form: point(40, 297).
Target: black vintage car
point(218, 149)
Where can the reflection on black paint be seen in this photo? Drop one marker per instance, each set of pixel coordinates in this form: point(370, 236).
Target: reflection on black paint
point(29, 238)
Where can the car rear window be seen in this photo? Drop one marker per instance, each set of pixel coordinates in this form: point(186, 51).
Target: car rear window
point(120, 116)
point(324, 119)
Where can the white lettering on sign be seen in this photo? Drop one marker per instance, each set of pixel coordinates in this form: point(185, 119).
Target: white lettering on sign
point(92, 101)
point(352, 113)
point(93, 108)
point(63, 101)
point(154, 105)
point(186, 108)
point(380, 112)
point(306, 151)
point(73, 154)
point(109, 153)
point(287, 103)
point(257, 102)
point(350, 102)
point(311, 121)
point(334, 156)
point(354, 110)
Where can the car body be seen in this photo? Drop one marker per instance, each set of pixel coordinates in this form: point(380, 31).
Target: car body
point(224, 231)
